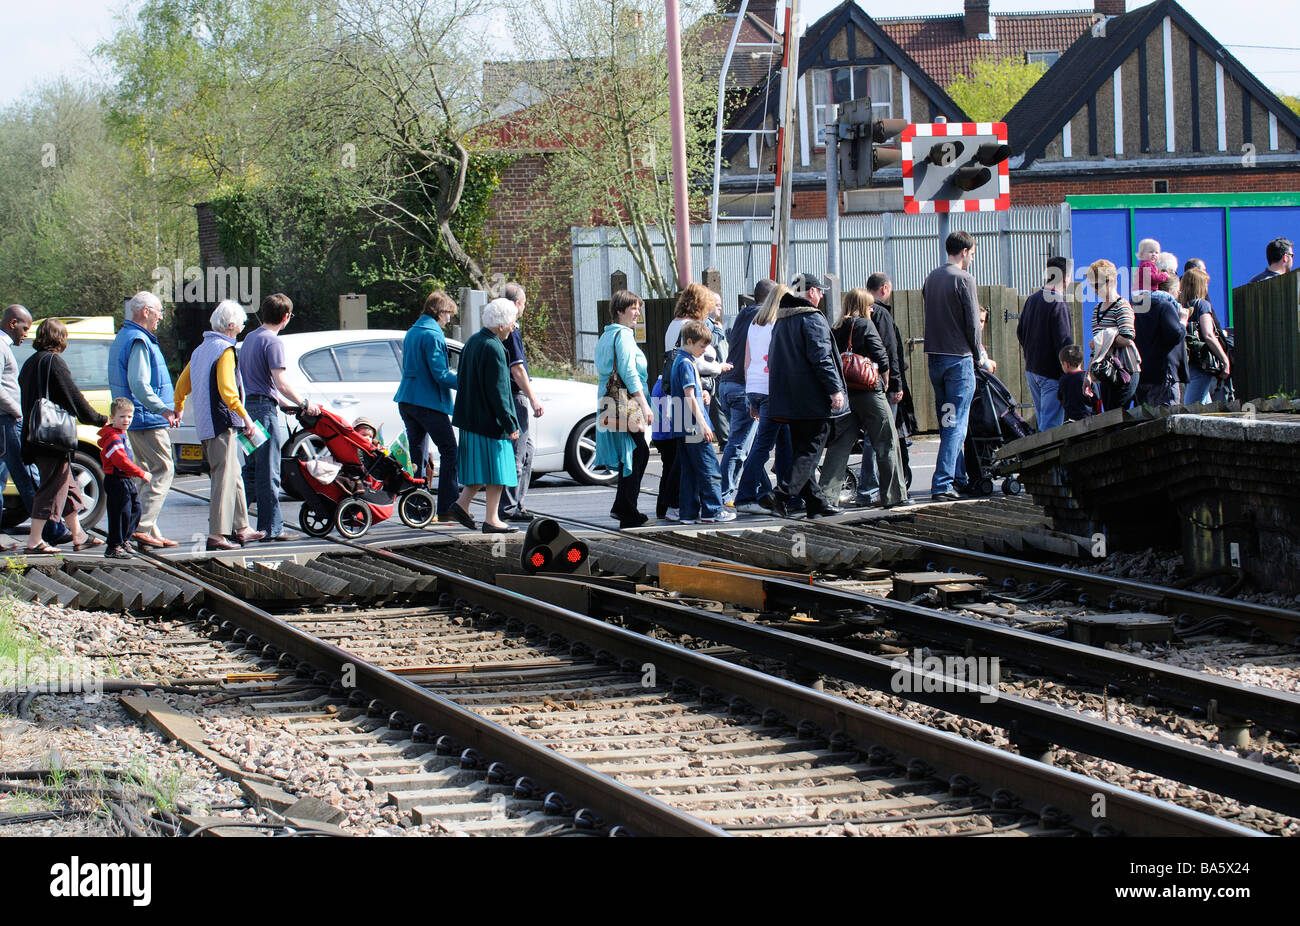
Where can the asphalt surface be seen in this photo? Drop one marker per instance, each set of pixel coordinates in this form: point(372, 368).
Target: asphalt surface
point(185, 513)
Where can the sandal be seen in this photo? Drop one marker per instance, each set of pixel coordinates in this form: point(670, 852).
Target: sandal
point(87, 543)
point(42, 547)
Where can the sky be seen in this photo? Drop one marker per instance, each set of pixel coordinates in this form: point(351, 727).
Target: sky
point(47, 39)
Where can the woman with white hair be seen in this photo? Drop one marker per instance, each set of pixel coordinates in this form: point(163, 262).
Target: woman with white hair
point(212, 377)
point(485, 415)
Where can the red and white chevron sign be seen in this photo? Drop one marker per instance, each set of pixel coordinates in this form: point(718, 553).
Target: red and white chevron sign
point(927, 185)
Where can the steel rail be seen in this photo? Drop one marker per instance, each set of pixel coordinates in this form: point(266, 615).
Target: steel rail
point(1228, 699)
point(1027, 721)
point(614, 801)
point(1041, 786)
point(1279, 623)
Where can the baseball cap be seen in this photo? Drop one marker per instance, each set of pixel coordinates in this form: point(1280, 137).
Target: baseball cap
point(806, 281)
point(363, 421)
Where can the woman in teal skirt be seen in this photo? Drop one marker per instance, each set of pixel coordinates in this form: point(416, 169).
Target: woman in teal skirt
point(485, 415)
point(619, 448)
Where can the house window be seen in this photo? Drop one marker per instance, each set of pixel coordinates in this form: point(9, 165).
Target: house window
point(839, 85)
point(1045, 58)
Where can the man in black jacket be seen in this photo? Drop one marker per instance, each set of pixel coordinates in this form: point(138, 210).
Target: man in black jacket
point(896, 389)
point(806, 389)
point(1161, 340)
point(1043, 330)
point(732, 398)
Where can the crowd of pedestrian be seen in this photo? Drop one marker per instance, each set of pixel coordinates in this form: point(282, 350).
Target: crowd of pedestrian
point(716, 406)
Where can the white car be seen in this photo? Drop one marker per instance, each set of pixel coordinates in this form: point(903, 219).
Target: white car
point(355, 373)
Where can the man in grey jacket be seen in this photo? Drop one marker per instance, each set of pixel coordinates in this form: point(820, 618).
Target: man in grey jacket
point(951, 346)
point(14, 322)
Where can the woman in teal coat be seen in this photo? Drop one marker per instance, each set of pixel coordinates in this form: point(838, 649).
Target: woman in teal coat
point(485, 414)
point(619, 448)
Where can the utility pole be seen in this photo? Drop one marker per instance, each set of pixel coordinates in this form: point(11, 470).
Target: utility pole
point(681, 204)
point(785, 146)
point(832, 190)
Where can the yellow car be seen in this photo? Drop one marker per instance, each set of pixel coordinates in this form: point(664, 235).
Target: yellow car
point(89, 340)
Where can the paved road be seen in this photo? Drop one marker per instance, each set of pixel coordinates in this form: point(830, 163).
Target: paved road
point(185, 514)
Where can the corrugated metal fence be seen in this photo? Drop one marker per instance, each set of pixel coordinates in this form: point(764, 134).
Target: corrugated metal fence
point(1013, 249)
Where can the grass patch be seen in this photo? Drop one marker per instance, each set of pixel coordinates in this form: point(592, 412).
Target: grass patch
point(162, 790)
point(15, 642)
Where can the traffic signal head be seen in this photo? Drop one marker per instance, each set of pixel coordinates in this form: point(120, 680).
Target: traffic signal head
point(550, 548)
point(956, 167)
point(862, 151)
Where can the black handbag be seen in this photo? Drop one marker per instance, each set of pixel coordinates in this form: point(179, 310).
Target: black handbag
point(50, 428)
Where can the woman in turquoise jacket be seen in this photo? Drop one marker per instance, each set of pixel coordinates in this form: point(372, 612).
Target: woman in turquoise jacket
point(424, 396)
point(616, 351)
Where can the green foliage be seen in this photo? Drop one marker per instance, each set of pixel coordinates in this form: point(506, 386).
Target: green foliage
point(1292, 102)
point(994, 86)
point(604, 106)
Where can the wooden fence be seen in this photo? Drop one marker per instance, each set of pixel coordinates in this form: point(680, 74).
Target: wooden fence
point(1004, 307)
point(1266, 327)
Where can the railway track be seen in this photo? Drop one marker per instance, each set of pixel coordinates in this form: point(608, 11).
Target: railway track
point(566, 703)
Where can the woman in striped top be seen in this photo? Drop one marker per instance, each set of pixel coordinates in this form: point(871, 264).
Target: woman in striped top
point(1113, 311)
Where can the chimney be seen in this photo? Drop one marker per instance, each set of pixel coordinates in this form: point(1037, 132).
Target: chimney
point(1108, 7)
point(977, 17)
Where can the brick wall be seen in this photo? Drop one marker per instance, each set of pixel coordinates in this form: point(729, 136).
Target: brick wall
point(531, 257)
point(1050, 192)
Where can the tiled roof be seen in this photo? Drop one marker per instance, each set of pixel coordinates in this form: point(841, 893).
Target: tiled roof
point(749, 66)
point(939, 44)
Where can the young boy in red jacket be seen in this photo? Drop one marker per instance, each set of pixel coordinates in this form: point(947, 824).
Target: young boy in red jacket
point(119, 469)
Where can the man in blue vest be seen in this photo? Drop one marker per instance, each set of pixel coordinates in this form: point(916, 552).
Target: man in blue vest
point(138, 370)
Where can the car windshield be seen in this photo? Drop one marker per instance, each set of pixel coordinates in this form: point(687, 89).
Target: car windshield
point(87, 359)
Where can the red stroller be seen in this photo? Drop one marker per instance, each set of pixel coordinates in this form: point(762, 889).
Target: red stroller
point(351, 484)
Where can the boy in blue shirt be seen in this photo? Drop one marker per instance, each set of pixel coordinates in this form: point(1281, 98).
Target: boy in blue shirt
point(700, 496)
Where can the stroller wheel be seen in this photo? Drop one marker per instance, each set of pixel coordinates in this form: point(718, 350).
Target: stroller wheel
point(1011, 486)
point(986, 486)
point(416, 508)
point(353, 518)
point(314, 523)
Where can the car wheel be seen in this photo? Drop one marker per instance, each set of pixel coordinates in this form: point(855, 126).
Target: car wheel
point(304, 445)
point(580, 456)
point(90, 479)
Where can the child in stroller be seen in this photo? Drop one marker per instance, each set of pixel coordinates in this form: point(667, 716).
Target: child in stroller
point(352, 482)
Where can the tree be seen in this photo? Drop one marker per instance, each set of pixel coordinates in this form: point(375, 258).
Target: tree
point(994, 86)
point(600, 105)
point(1292, 102)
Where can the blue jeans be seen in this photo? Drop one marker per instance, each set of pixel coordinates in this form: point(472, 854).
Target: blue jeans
point(754, 483)
point(1047, 404)
point(953, 379)
point(11, 462)
point(421, 422)
point(1199, 387)
point(264, 464)
point(699, 493)
point(740, 438)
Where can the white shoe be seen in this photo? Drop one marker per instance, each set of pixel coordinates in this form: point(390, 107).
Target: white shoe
point(674, 515)
point(726, 514)
point(686, 521)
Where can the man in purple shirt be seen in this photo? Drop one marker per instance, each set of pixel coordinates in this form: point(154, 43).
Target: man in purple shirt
point(261, 365)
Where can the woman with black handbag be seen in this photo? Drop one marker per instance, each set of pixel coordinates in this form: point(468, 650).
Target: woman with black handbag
point(1115, 368)
point(1205, 353)
point(856, 335)
point(52, 404)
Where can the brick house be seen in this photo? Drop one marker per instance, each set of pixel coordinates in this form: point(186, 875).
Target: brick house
point(1149, 102)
